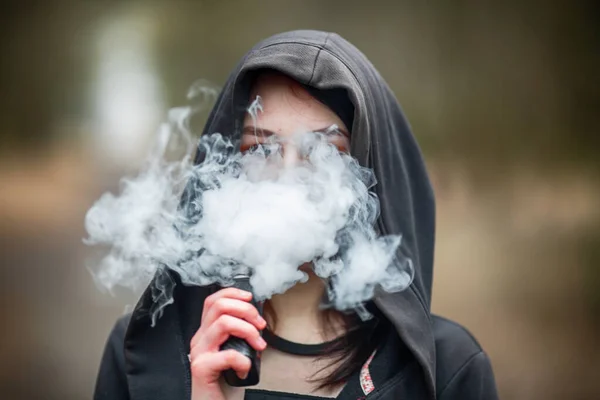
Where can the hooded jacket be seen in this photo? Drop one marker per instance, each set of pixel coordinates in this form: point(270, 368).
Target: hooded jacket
point(141, 362)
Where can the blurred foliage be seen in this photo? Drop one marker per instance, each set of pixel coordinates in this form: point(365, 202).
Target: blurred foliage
point(589, 251)
point(486, 83)
point(523, 82)
point(42, 70)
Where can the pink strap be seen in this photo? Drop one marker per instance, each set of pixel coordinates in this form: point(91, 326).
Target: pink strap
point(366, 382)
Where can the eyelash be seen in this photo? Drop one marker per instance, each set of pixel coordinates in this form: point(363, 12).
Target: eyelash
point(251, 148)
point(255, 145)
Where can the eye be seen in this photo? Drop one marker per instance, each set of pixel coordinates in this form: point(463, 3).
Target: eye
point(264, 149)
point(340, 141)
point(250, 143)
point(249, 147)
point(337, 138)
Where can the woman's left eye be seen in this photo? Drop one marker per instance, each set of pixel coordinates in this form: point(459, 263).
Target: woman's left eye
point(336, 138)
point(341, 142)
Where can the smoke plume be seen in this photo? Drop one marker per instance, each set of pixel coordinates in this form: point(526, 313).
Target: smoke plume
point(246, 213)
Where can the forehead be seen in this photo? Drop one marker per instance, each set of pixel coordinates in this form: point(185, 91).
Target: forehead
point(286, 102)
point(273, 88)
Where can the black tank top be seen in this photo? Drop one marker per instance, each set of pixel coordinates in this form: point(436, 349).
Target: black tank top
point(258, 394)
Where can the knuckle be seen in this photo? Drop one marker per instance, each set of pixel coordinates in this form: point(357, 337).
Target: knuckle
point(198, 367)
point(230, 355)
point(208, 302)
point(253, 334)
point(245, 310)
point(220, 305)
point(245, 306)
point(252, 311)
point(224, 322)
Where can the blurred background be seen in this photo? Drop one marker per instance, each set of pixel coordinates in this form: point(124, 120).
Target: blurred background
point(502, 96)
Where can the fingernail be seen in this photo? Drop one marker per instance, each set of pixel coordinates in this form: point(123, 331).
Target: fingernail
point(260, 321)
point(261, 342)
point(244, 376)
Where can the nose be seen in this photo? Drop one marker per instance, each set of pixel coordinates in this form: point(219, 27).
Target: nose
point(291, 155)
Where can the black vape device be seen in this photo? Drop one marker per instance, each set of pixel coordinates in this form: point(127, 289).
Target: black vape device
point(243, 282)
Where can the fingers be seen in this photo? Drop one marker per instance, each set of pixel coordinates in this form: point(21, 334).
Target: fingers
point(231, 293)
point(207, 367)
point(226, 313)
point(228, 301)
point(226, 325)
point(236, 308)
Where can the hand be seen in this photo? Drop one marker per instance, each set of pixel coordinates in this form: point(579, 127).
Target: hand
point(226, 312)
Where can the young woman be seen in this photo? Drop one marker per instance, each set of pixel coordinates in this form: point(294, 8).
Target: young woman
point(309, 80)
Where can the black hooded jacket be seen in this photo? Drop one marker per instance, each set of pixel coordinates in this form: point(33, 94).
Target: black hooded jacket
point(150, 363)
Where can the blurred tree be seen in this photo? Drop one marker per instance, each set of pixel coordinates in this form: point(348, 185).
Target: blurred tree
point(43, 69)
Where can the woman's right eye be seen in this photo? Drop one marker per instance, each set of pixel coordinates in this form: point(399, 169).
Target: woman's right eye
point(265, 149)
point(249, 147)
point(261, 148)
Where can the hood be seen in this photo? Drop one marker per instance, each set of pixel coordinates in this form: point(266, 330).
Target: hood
point(381, 139)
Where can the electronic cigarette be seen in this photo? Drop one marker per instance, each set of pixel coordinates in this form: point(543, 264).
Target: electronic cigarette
point(232, 379)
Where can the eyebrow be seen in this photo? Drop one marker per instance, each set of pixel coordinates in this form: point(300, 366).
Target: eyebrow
point(251, 130)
